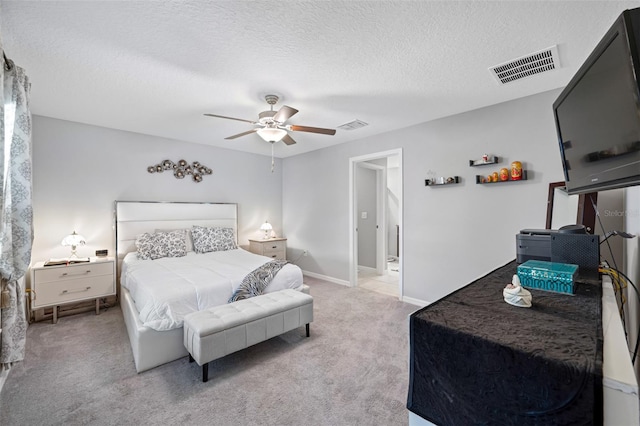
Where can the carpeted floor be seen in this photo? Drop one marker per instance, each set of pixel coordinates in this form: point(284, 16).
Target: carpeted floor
point(351, 371)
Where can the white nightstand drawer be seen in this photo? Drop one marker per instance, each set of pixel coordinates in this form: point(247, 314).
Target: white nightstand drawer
point(279, 255)
point(72, 289)
point(273, 247)
point(78, 270)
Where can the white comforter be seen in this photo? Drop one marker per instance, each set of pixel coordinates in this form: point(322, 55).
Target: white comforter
point(165, 290)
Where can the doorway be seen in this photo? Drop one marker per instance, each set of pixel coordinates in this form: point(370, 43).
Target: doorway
point(375, 221)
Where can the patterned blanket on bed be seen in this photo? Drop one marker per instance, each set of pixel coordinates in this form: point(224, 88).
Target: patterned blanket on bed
point(257, 280)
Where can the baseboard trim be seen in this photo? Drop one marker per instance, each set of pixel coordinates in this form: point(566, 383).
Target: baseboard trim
point(416, 302)
point(326, 278)
point(410, 300)
point(367, 268)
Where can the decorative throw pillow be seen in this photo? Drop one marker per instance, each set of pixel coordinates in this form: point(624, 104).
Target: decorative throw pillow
point(160, 246)
point(176, 243)
point(187, 236)
point(207, 239)
point(144, 244)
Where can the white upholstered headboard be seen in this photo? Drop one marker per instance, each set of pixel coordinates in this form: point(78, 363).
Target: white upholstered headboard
point(136, 217)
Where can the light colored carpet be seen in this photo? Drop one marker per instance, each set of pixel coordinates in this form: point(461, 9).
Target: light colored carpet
point(353, 370)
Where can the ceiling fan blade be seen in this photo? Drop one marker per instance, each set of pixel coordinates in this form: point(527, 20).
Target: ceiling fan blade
point(313, 130)
point(231, 118)
point(242, 134)
point(284, 114)
point(288, 140)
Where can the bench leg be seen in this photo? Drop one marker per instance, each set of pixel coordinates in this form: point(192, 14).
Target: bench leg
point(205, 372)
point(191, 358)
point(307, 330)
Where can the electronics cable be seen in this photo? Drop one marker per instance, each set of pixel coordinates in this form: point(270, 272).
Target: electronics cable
point(617, 272)
point(615, 265)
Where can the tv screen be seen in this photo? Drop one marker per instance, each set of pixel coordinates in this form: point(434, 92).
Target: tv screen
point(598, 113)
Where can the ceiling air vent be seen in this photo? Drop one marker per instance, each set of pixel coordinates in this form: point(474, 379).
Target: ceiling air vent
point(527, 66)
point(352, 125)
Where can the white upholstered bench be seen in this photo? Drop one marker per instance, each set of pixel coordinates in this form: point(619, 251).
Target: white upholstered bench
point(213, 333)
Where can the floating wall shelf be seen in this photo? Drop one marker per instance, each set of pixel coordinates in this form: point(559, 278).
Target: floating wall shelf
point(490, 160)
point(480, 182)
point(446, 181)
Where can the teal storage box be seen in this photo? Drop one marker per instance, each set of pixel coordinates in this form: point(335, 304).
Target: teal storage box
point(548, 276)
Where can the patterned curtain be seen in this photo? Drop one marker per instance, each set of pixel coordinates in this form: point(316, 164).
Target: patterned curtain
point(16, 214)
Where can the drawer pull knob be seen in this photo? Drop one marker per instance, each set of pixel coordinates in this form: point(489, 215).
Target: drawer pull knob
point(76, 291)
point(274, 255)
point(65, 274)
point(274, 246)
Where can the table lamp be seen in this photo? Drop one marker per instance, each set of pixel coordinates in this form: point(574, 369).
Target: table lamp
point(73, 240)
point(266, 227)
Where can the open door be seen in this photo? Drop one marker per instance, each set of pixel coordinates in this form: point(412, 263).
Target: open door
point(361, 220)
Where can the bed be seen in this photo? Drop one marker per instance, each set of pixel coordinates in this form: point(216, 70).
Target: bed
point(155, 295)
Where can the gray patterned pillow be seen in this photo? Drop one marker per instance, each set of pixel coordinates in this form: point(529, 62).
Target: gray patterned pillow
point(212, 239)
point(161, 244)
point(160, 247)
point(175, 243)
point(187, 233)
point(144, 244)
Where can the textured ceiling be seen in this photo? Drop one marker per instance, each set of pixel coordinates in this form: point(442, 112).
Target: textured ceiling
point(155, 67)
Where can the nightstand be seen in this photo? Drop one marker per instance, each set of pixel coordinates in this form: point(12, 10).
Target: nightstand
point(275, 248)
point(57, 285)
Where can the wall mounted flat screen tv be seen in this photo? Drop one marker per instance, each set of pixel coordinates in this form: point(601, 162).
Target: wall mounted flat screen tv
point(598, 113)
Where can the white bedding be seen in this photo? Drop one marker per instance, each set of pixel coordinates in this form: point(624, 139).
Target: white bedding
point(165, 290)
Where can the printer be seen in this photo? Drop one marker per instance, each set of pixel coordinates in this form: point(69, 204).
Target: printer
point(569, 244)
point(533, 244)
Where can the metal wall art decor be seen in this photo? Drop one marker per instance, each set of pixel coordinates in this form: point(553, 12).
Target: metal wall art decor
point(182, 169)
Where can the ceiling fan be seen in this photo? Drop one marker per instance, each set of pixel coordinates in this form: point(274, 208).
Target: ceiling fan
point(271, 124)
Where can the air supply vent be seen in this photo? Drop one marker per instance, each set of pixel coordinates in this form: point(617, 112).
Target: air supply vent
point(352, 125)
point(527, 66)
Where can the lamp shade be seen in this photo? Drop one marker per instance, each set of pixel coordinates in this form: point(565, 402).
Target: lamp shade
point(271, 134)
point(73, 239)
point(266, 227)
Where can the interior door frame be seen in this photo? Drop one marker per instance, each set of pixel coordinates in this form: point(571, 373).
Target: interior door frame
point(353, 246)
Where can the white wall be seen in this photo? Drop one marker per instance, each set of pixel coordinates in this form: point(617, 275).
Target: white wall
point(452, 234)
point(80, 170)
point(631, 218)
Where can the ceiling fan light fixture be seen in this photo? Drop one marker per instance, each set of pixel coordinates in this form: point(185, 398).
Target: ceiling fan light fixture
point(271, 134)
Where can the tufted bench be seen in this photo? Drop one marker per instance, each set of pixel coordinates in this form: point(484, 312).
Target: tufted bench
point(215, 332)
